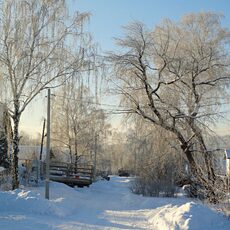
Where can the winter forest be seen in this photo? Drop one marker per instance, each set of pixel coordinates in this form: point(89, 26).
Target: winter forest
point(135, 136)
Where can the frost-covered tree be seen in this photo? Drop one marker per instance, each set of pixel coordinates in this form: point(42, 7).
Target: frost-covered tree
point(41, 46)
point(154, 158)
point(71, 112)
point(78, 126)
point(175, 77)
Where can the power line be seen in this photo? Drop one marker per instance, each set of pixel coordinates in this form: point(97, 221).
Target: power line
point(90, 102)
point(114, 109)
point(112, 105)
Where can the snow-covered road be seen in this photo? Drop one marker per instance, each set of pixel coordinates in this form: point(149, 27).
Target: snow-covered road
point(104, 205)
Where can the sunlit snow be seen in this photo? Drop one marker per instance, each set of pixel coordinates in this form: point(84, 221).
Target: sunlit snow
point(104, 205)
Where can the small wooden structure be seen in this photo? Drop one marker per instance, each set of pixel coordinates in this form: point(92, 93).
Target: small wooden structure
point(73, 175)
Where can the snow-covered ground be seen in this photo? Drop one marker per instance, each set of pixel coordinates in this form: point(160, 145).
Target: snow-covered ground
point(104, 205)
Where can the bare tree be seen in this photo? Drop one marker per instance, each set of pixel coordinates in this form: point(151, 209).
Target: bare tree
point(176, 77)
point(71, 111)
point(77, 121)
point(40, 46)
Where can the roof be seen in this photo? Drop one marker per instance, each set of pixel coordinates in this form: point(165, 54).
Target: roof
point(29, 152)
point(227, 151)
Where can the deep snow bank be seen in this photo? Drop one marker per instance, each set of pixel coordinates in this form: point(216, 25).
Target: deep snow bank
point(26, 202)
point(187, 216)
point(104, 205)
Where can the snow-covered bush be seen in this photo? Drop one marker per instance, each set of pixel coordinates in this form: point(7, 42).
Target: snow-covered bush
point(154, 187)
point(158, 179)
point(157, 162)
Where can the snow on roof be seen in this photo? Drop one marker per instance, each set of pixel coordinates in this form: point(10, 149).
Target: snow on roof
point(2, 169)
point(227, 151)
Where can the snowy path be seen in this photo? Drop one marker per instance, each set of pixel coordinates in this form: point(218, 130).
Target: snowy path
point(104, 205)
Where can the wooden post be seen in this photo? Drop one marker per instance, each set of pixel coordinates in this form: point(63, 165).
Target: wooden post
point(48, 149)
point(40, 165)
point(42, 141)
point(95, 158)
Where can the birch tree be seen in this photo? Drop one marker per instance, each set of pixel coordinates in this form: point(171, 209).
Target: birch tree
point(71, 111)
point(41, 46)
point(78, 126)
point(175, 77)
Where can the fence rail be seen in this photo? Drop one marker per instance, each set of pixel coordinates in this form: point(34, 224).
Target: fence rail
point(71, 174)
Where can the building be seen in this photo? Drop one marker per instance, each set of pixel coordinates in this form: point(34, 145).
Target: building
point(227, 158)
point(31, 152)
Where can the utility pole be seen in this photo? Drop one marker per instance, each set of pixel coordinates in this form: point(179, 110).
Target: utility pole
point(42, 141)
point(48, 149)
point(40, 165)
point(95, 158)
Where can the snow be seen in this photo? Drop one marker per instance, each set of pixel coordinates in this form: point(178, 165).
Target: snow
point(227, 151)
point(2, 169)
point(104, 205)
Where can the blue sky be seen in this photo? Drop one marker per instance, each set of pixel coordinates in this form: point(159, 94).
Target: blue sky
point(108, 16)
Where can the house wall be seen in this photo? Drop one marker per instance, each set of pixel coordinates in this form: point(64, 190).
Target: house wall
point(228, 168)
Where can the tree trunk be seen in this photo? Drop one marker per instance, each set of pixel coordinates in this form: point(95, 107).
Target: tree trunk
point(70, 153)
point(76, 148)
point(209, 185)
point(207, 156)
point(16, 119)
